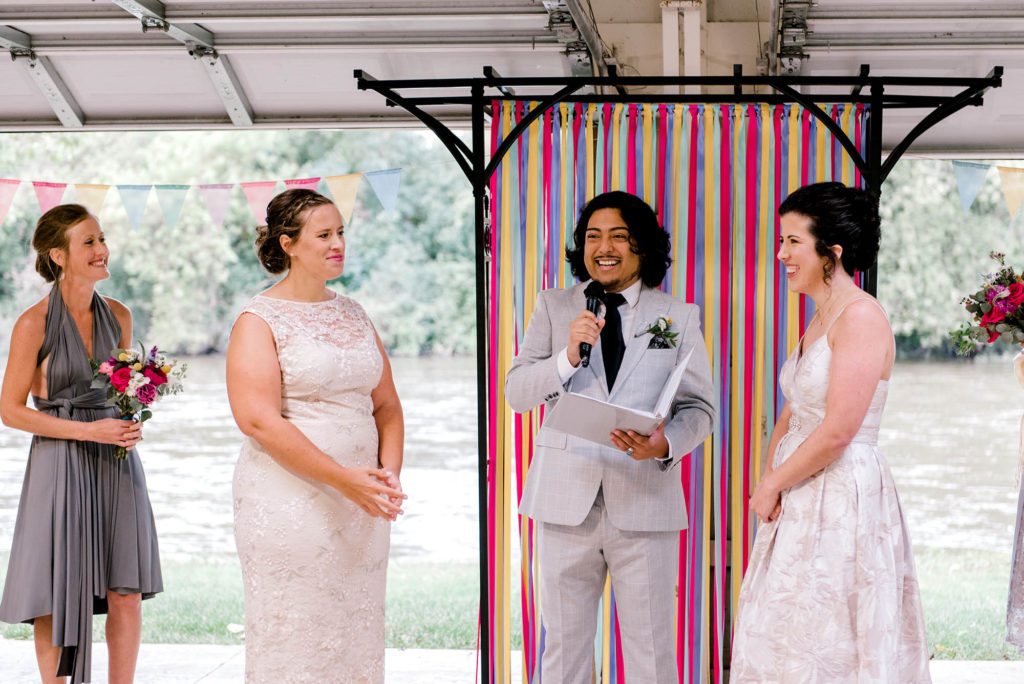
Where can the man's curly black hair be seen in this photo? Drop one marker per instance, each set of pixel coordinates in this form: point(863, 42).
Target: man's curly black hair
point(646, 236)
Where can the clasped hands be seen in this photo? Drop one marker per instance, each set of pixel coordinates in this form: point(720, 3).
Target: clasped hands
point(122, 433)
point(377, 491)
point(766, 501)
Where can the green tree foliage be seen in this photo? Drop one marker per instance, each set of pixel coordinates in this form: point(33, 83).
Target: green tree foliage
point(412, 271)
point(933, 254)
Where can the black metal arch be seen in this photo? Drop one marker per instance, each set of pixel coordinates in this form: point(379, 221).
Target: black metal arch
point(883, 94)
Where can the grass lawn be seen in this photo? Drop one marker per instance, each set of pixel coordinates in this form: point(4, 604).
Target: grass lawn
point(435, 606)
point(964, 596)
point(428, 606)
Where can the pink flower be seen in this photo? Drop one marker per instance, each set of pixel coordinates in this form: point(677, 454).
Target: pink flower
point(146, 393)
point(120, 378)
point(155, 375)
point(105, 368)
point(1016, 294)
point(996, 292)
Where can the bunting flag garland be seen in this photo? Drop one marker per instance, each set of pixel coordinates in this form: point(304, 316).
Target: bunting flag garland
point(134, 198)
point(715, 175)
point(969, 177)
point(385, 186)
point(171, 198)
point(1012, 180)
point(304, 183)
point(259, 194)
point(343, 190)
point(8, 188)
point(91, 196)
point(48, 194)
point(216, 197)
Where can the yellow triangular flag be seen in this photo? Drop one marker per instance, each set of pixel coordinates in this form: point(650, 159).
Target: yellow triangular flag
point(343, 190)
point(1012, 181)
point(91, 196)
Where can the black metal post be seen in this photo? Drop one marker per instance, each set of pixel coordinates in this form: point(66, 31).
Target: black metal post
point(479, 180)
point(874, 162)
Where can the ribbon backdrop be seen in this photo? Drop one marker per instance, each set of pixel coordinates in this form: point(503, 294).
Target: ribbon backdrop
point(715, 175)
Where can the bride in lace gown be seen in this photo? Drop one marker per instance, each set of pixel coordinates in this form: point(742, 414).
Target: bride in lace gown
point(316, 484)
point(830, 594)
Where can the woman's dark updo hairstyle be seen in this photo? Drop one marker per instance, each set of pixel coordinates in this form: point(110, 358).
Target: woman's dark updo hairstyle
point(647, 237)
point(52, 233)
point(842, 216)
point(286, 215)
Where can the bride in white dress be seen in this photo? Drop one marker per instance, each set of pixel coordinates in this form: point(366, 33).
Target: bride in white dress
point(830, 594)
point(317, 480)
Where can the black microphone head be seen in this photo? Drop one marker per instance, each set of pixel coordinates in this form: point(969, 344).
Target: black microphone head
point(594, 290)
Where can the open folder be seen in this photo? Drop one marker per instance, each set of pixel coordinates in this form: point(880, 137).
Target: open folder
point(593, 419)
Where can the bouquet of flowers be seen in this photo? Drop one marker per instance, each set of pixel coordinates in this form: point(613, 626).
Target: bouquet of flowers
point(134, 380)
point(996, 309)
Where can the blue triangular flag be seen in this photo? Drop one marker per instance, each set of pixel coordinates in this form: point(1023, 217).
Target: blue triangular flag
point(385, 186)
point(171, 198)
point(134, 199)
point(969, 177)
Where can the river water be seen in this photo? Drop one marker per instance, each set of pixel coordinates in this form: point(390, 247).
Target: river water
point(950, 432)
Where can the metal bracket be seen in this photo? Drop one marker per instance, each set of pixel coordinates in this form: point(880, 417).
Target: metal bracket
point(200, 45)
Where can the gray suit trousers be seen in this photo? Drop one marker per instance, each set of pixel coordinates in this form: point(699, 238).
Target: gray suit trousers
point(574, 560)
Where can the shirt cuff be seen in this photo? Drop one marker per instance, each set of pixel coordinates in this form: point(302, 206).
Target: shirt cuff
point(665, 461)
point(565, 368)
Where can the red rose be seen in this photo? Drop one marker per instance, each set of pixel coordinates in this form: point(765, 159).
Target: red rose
point(155, 375)
point(992, 336)
point(146, 394)
point(993, 316)
point(121, 378)
point(1016, 294)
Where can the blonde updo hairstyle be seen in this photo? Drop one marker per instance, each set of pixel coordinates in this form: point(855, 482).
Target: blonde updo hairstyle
point(286, 214)
point(52, 233)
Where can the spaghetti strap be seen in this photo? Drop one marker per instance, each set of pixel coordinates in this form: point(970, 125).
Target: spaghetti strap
point(880, 308)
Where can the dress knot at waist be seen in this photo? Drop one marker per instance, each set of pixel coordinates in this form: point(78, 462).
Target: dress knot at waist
point(866, 434)
point(65, 406)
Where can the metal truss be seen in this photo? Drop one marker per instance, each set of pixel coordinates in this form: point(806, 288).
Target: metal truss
point(814, 93)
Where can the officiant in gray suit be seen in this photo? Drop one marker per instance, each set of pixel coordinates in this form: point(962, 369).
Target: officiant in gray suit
point(602, 509)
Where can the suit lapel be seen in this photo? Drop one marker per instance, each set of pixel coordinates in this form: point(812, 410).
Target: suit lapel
point(636, 345)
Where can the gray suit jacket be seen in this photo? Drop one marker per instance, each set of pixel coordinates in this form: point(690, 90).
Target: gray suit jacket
point(567, 471)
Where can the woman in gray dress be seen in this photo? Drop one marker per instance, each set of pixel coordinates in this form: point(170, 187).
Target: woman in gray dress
point(84, 540)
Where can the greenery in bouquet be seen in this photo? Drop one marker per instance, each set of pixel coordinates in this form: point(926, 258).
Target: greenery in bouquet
point(135, 379)
point(995, 309)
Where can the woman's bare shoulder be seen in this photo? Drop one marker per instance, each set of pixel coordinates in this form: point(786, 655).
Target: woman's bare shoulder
point(120, 309)
point(32, 321)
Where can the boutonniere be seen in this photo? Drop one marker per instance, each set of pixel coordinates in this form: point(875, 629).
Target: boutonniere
point(663, 337)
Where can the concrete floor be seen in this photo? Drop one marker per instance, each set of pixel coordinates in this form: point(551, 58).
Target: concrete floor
point(185, 664)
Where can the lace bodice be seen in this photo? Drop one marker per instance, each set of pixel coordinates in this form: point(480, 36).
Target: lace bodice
point(804, 381)
point(313, 562)
point(330, 362)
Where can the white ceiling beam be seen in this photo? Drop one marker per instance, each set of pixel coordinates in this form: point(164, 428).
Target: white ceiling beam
point(818, 41)
point(40, 70)
point(290, 10)
point(333, 44)
point(200, 45)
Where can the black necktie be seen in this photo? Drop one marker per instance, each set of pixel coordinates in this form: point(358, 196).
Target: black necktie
point(612, 346)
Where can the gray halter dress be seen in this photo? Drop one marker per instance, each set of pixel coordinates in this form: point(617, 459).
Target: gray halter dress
point(84, 521)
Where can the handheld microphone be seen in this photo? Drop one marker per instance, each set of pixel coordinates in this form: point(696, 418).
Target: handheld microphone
point(595, 295)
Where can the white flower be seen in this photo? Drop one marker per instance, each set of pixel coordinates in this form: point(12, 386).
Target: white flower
point(137, 381)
